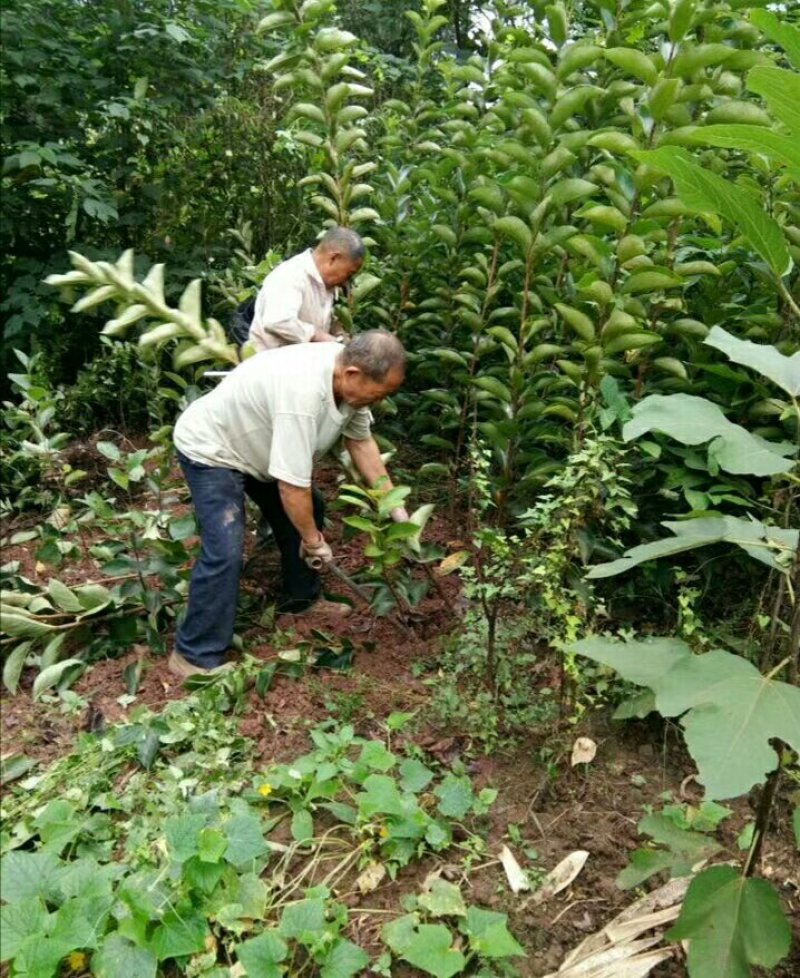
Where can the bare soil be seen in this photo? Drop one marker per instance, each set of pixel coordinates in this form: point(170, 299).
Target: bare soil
point(556, 808)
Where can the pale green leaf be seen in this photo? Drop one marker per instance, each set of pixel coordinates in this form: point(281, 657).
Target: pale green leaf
point(730, 712)
point(516, 229)
point(443, 899)
point(764, 543)
point(694, 421)
point(783, 370)
point(781, 89)
point(261, 956)
point(118, 956)
point(428, 947)
point(781, 32)
point(751, 139)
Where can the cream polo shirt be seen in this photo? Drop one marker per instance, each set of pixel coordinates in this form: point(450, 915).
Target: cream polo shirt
point(292, 304)
point(272, 416)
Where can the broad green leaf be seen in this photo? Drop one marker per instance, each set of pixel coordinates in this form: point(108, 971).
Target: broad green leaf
point(59, 672)
point(380, 797)
point(363, 285)
point(752, 139)
point(245, 836)
point(782, 33)
point(308, 111)
point(731, 923)
point(307, 917)
point(734, 712)
point(428, 947)
point(682, 849)
point(62, 596)
point(570, 189)
point(707, 191)
point(332, 39)
point(680, 19)
point(557, 22)
point(18, 921)
point(343, 960)
point(302, 825)
point(211, 845)
point(662, 97)
point(694, 421)
point(516, 229)
point(455, 796)
point(650, 280)
point(730, 712)
point(577, 56)
point(764, 543)
point(118, 956)
point(21, 625)
point(180, 934)
point(495, 387)
point(14, 664)
point(630, 341)
point(262, 956)
point(634, 63)
point(488, 934)
point(578, 320)
point(414, 776)
point(783, 370)
point(443, 899)
point(182, 835)
point(781, 89)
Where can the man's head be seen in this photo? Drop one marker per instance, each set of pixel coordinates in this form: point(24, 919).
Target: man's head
point(370, 367)
point(338, 256)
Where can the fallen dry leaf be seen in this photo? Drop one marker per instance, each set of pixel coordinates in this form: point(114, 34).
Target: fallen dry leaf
point(615, 950)
point(452, 563)
point(560, 877)
point(515, 875)
point(371, 878)
point(583, 751)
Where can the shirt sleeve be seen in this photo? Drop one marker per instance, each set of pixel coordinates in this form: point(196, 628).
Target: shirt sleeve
point(359, 426)
point(292, 450)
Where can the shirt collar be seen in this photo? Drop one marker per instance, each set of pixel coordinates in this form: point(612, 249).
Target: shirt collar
point(311, 267)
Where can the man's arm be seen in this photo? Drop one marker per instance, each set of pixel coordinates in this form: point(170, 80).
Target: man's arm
point(298, 506)
point(367, 459)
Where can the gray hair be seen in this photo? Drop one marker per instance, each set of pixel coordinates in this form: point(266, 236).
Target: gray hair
point(343, 240)
point(376, 353)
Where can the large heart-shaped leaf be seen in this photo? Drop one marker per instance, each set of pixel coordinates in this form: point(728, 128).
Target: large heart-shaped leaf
point(730, 711)
point(731, 923)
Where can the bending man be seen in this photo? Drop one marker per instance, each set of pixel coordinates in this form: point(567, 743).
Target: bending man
point(260, 432)
point(295, 302)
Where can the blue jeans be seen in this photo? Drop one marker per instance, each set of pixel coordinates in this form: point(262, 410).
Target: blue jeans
point(218, 497)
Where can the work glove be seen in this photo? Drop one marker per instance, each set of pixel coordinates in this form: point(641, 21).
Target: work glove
point(316, 554)
point(399, 514)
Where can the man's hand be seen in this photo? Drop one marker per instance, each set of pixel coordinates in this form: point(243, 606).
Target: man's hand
point(322, 337)
point(316, 553)
point(399, 514)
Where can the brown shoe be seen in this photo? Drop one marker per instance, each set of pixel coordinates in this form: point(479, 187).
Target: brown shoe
point(183, 668)
point(322, 608)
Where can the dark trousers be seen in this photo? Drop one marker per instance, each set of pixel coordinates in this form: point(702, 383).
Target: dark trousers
point(218, 498)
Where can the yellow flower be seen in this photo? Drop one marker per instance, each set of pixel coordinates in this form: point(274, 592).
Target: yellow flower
point(76, 961)
point(384, 832)
point(265, 790)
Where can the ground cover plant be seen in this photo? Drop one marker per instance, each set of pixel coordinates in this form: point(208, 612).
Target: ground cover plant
point(583, 221)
